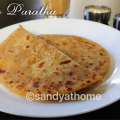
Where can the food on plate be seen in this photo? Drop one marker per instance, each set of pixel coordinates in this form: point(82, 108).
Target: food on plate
point(29, 64)
point(85, 52)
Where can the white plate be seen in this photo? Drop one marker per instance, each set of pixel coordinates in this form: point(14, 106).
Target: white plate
point(106, 36)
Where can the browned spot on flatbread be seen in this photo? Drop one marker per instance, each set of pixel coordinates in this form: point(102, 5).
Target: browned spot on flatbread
point(83, 59)
point(2, 71)
point(57, 68)
point(68, 83)
point(10, 82)
point(96, 69)
point(75, 66)
point(34, 51)
point(86, 74)
point(59, 82)
point(41, 65)
point(101, 63)
point(19, 87)
point(90, 63)
point(64, 43)
point(101, 54)
point(27, 46)
point(56, 73)
point(94, 75)
point(65, 62)
point(71, 73)
point(49, 91)
point(83, 84)
point(58, 44)
point(88, 81)
point(10, 51)
point(28, 37)
point(52, 82)
point(36, 84)
point(51, 85)
point(69, 89)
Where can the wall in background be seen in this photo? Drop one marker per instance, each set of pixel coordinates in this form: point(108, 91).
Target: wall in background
point(77, 6)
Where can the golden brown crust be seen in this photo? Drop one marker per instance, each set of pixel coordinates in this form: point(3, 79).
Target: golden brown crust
point(85, 52)
point(32, 65)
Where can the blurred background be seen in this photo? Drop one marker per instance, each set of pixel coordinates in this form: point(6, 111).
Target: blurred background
point(76, 10)
point(77, 6)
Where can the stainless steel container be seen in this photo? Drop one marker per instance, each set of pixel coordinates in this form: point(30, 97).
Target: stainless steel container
point(116, 23)
point(97, 13)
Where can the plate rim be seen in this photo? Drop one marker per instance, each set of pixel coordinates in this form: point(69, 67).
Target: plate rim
point(70, 115)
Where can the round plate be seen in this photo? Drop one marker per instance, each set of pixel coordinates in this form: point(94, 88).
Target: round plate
point(104, 35)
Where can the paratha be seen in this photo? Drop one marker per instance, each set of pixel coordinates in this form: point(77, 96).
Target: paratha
point(85, 52)
point(29, 64)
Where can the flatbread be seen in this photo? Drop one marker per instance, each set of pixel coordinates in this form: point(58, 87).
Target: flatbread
point(85, 52)
point(28, 64)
